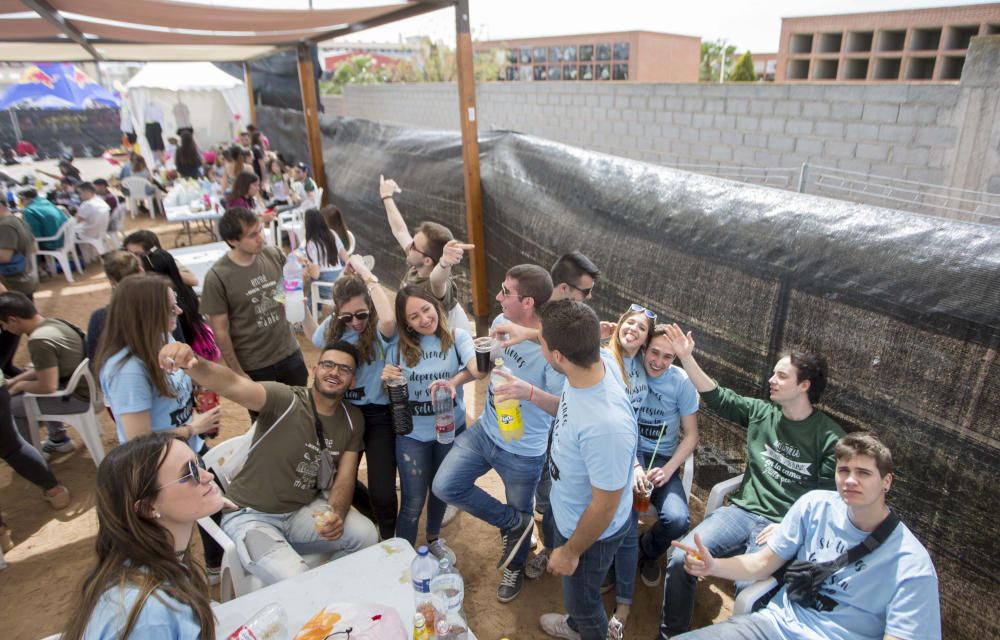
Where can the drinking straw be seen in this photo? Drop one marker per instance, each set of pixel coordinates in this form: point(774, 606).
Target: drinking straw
point(653, 457)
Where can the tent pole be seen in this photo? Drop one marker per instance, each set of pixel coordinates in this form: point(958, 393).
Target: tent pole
point(310, 109)
point(470, 161)
point(248, 80)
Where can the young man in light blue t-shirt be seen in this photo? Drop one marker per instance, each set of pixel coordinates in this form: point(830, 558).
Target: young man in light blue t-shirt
point(594, 440)
point(890, 593)
point(519, 462)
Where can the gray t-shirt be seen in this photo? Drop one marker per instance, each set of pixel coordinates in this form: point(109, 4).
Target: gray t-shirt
point(251, 296)
point(15, 234)
point(56, 344)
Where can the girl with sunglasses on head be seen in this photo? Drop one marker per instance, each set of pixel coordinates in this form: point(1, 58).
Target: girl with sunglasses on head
point(363, 316)
point(428, 354)
point(629, 340)
point(150, 493)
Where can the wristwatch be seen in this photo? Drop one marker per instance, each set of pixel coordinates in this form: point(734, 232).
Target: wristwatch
point(372, 280)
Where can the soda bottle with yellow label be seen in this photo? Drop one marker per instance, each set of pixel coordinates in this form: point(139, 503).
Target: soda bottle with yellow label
point(508, 411)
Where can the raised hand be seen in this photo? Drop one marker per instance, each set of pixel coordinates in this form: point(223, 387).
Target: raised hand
point(683, 345)
point(697, 560)
point(509, 334)
point(453, 252)
point(387, 188)
point(176, 355)
point(391, 372)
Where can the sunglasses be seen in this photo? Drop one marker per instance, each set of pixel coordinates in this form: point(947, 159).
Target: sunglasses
point(505, 292)
point(636, 308)
point(586, 292)
point(194, 468)
point(358, 315)
point(329, 365)
point(413, 247)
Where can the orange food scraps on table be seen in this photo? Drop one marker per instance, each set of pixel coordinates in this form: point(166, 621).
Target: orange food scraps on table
point(319, 626)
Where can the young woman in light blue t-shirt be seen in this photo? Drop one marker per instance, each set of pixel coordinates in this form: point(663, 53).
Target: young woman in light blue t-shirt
point(428, 354)
point(143, 584)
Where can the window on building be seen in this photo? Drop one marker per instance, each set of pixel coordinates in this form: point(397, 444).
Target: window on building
point(604, 52)
point(539, 72)
point(586, 53)
point(525, 71)
point(586, 72)
point(604, 72)
point(620, 72)
point(621, 51)
point(570, 72)
point(569, 54)
point(555, 73)
point(538, 55)
point(555, 54)
point(512, 56)
point(525, 55)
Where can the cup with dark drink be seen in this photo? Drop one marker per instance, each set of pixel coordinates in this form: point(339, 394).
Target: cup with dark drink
point(204, 401)
point(484, 353)
point(641, 499)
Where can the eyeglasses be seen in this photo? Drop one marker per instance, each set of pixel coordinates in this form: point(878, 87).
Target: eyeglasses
point(413, 247)
point(636, 308)
point(505, 292)
point(194, 468)
point(585, 292)
point(330, 364)
point(358, 315)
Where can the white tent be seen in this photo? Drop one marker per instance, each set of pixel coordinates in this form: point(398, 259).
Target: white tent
point(216, 101)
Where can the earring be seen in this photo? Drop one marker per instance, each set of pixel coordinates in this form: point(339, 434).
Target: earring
point(156, 514)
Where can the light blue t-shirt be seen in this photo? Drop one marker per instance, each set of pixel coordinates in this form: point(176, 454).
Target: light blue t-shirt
point(891, 591)
point(525, 361)
point(434, 365)
point(593, 445)
point(368, 386)
point(671, 395)
point(635, 372)
point(128, 388)
point(161, 617)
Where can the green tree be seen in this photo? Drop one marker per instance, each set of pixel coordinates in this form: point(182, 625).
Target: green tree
point(357, 70)
point(744, 71)
point(711, 59)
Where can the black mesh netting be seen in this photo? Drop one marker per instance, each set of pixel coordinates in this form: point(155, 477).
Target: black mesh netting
point(906, 308)
point(283, 128)
point(85, 132)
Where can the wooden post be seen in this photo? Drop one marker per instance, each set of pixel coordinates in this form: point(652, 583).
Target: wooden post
point(248, 80)
point(310, 109)
point(470, 160)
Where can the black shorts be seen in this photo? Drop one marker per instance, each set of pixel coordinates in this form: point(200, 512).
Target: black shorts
point(131, 137)
point(154, 136)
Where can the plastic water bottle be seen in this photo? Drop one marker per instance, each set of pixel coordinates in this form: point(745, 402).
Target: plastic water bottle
point(448, 587)
point(509, 411)
point(294, 311)
point(270, 623)
point(422, 570)
point(444, 415)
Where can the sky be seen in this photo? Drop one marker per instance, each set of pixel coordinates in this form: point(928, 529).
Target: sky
point(749, 25)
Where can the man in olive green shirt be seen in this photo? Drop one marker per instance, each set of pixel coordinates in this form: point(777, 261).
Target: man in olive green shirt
point(56, 348)
point(242, 299)
point(279, 492)
point(17, 248)
point(790, 451)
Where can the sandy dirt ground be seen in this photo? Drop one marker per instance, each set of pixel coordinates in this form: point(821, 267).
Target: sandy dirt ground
point(54, 549)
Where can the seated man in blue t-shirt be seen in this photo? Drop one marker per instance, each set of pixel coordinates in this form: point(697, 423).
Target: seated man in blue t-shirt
point(594, 441)
point(890, 593)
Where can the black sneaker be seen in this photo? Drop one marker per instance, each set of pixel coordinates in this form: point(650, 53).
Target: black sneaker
point(609, 580)
point(510, 585)
point(649, 570)
point(513, 538)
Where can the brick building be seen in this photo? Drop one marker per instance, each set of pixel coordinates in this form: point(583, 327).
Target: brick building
point(639, 56)
point(885, 46)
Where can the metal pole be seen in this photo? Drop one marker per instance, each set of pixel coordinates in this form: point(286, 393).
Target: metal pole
point(470, 160)
point(803, 177)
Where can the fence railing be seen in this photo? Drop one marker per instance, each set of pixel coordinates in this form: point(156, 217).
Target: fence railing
point(866, 188)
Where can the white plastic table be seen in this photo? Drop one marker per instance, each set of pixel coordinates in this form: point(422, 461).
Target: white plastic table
point(183, 214)
point(378, 574)
point(199, 259)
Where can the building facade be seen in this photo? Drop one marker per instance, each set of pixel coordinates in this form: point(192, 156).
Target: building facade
point(886, 46)
point(638, 56)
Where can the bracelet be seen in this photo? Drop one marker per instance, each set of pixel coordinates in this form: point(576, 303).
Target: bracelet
point(531, 394)
point(384, 198)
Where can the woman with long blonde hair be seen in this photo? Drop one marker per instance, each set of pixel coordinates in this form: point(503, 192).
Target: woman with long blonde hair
point(150, 493)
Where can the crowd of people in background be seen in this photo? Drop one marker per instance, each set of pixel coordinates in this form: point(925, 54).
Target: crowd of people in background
point(608, 409)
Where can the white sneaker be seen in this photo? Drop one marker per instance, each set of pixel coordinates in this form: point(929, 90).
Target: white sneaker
point(557, 626)
point(616, 629)
point(449, 514)
point(439, 550)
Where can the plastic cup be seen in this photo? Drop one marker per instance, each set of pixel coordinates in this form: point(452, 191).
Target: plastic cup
point(484, 351)
point(641, 499)
point(322, 518)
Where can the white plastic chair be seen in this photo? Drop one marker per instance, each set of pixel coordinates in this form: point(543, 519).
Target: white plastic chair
point(137, 187)
point(66, 235)
point(85, 423)
point(100, 245)
point(235, 580)
point(749, 596)
point(316, 287)
point(116, 225)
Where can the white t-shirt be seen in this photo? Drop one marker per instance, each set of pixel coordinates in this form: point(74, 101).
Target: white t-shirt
point(92, 217)
point(153, 113)
point(891, 591)
point(330, 263)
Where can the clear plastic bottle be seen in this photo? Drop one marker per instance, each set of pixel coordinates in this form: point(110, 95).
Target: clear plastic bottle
point(270, 623)
point(444, 415)
point(422, 570)
point(294, 310)
point(420, 627)
point(509, 411)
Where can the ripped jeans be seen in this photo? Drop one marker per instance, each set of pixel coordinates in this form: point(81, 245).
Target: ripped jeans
point(270, 544)
point(418, 463)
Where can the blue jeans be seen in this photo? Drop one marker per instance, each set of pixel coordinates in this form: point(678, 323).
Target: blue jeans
point(582, 590)
point(626, 559)
point(728, 531)
point(473, 455)
point(418, 463)
point(745, 627)
point(672, 514)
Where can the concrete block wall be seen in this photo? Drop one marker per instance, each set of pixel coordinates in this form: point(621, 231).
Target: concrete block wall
point(900, 130)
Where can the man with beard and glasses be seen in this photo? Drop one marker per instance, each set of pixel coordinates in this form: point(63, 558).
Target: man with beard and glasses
point(306, 442)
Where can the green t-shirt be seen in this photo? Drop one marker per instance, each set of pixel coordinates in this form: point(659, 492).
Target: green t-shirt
point(16, 235)
point(413, 277)
point(250, 297)
point(280, 475)
point(785, 458)
point(56, 344)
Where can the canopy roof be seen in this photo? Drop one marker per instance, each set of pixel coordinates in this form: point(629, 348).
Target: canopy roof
point(166, 30)
point(183, 76)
